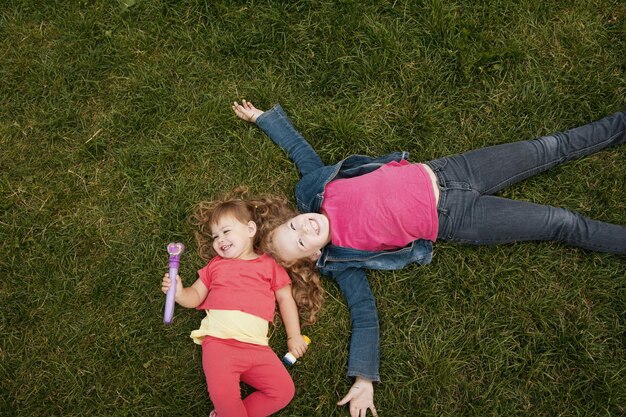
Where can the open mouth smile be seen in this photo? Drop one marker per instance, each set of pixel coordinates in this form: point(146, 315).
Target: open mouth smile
point(315, 226)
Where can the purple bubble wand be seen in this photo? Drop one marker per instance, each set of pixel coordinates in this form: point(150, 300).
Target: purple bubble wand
point(175, 250)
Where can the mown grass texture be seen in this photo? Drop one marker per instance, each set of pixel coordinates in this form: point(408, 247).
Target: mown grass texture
point(115, 122)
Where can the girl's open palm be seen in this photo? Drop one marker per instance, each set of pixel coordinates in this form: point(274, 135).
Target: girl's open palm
point(246, 111)
point(361, 398)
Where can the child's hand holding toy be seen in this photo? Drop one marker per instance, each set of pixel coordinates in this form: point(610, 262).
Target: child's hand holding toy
point(297, 346)
point(167, 282)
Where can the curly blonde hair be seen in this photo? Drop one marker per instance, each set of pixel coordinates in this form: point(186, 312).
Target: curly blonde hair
point(268, 212)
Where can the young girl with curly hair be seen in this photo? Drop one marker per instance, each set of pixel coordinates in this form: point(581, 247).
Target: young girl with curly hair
point(239, 288)
point(385, 213)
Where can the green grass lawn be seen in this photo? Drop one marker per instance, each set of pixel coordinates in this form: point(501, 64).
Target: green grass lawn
point(115, 121)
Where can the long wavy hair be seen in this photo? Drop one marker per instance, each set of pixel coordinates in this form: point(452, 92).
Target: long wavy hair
point(268, 212)
point(308, 277)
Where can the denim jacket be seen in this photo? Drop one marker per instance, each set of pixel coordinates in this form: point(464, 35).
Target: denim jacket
point(345, 265)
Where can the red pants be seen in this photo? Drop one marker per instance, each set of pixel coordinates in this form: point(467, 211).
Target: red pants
point(227, 362)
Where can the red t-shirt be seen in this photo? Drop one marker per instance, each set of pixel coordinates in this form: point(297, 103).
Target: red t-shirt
point(384, 209)
point(244, 285)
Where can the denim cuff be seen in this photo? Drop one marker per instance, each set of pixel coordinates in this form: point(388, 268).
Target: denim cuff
point(373, 378)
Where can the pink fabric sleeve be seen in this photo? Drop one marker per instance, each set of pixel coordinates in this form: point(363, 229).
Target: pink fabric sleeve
point(280, 277)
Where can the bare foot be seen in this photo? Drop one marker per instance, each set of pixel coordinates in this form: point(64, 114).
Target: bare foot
point(246, 111)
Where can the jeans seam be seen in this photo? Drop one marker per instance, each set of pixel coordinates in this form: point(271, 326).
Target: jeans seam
point(448, 219)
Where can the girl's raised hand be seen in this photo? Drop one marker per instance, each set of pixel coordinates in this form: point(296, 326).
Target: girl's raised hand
point(246, 111)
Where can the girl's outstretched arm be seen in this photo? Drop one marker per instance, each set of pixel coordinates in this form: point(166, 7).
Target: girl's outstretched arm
point(363, 361)
point(276, 124)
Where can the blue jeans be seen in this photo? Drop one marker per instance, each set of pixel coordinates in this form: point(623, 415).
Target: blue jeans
point(469, 212)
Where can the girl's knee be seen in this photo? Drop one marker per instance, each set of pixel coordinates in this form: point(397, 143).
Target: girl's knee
point(282, 392)
point(290, 392)
point(285, 394)
point(566, 223)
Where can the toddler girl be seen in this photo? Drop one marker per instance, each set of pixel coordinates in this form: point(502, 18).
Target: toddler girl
point(238, 288)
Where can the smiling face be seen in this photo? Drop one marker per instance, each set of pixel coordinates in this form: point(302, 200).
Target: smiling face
point(302, 236)
point(233, 239)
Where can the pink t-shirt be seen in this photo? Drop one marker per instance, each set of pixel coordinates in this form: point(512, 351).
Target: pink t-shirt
point(245, 285)
point(384, 209)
